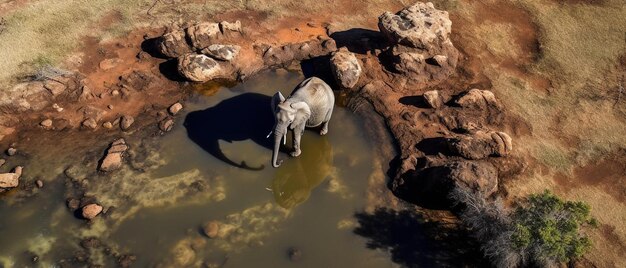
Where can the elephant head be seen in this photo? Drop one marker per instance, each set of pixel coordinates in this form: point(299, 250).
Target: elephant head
point(287, 114)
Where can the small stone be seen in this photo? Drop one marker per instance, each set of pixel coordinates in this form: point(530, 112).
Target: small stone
point(11, 151)
point(39, 183)
point(295, 254)
point(90, 123)
point(115, 93)
point(73, 203)
point(175, 108)
point(166, 125)
point(211, 229)
point(107, 125)
point(110, 107)
point(433, 99)
point(57, 107)
point(46, 124)
point(126, 122)
point(91, 211)
point(113, 159)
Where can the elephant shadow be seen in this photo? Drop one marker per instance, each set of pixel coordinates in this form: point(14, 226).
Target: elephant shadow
point(247, 116)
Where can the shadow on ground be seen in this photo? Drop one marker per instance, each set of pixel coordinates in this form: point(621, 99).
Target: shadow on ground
point(413, 241)
point(244, 117)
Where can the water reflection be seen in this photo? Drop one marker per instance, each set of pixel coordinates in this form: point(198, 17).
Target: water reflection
point(297, 177)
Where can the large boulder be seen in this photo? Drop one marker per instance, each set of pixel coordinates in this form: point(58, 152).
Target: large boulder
point(346, 68)
point(222, 52)
point(113, 158)
point(282, 56)
point(477, 176)
point(199, 68)
point(173, 44)
point(203, 34)
point(481, 144)
point(419, 26)
point(420, 42)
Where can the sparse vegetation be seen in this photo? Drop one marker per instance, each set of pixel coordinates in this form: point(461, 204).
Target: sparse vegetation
point(543, 230)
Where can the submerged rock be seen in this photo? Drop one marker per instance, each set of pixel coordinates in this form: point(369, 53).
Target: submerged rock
point(113, 158)
point(346, 68)
point(91, 211)
point(222, 52)
point(211, 229)
point(294, 254)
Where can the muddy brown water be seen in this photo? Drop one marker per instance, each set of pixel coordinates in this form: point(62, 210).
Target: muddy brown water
point(308, 203)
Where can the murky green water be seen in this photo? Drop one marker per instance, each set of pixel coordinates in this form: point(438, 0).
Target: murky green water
point(170, 186)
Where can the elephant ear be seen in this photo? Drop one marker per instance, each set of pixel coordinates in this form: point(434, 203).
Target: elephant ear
point(303, 112)
point(277, 99)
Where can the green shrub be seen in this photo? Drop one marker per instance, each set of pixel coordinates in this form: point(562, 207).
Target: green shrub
point(550, 228)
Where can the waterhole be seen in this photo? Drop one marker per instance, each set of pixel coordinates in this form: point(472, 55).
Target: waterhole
point(214, 166)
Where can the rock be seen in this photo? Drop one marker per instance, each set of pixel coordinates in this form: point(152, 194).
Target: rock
point(92, 112)
point(211, 229)
point(126, 260)
point(433, 99)
point(203, 34)
point(294, 254)
point(107, 125)
point(46, 124)
point(11, 151)
point(39, 183)
point(477, 99)
point(11, 179)
point(90, 242)
point(55, 87)
point(91, 211)
point(199, 68)
point(175, 108)
point(72, 203)
point(477, 176)
point(229, 28)
point(481, 144)
point(283, 56)
point(113, 158)
point(173, 44)
point(108, 64)
point(166, 124)
point(420, 41)
point(126, 122)
point(57, 107)
point(85, 94)
point(418, 26)
point(89, 123)
point(28, 96)
point(222, 52)
point(115, 93)
point(346, 68)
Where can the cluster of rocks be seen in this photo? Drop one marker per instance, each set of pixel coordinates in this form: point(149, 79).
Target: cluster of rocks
point(421, 48)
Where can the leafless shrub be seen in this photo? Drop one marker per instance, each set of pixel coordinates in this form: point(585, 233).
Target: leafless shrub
point(491, 226)
point(46, 72)
point(3, 25)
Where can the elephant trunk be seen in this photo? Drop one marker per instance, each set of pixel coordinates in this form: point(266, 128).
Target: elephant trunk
point(277, 138)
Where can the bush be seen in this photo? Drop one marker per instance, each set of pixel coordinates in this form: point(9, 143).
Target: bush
point(550, 228)
point(543, 230)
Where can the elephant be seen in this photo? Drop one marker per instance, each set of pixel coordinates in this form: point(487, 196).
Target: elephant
point(309, 105)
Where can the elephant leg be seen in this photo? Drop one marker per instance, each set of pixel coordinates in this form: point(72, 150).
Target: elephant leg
point(325, 123)
point(297, 135)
